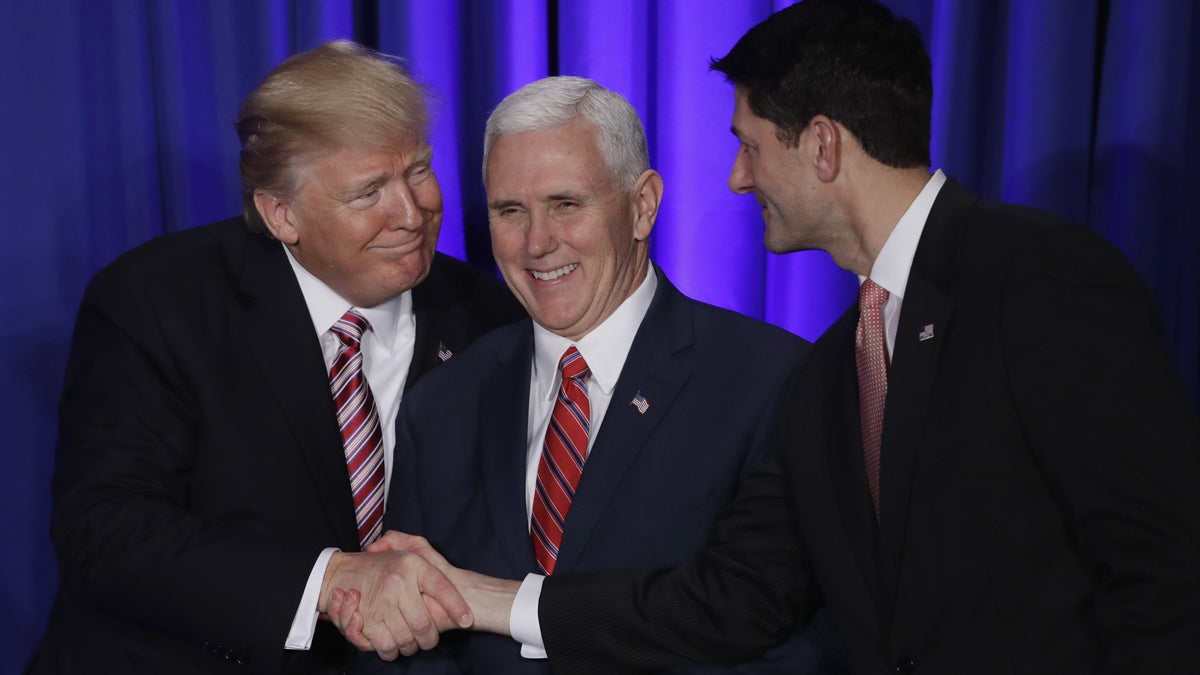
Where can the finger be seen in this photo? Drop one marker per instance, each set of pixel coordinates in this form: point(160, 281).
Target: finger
point(389, 541)
point(344, 614)
point(434, 584)
point(441, 619)
point(400, 541)
point(401, 634)
point(402, 607)
point(380, 640)
point(343, 605)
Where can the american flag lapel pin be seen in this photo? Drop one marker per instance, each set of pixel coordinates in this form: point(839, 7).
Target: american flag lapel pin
point(443, 353)
point(927, 333)
point(640, 403)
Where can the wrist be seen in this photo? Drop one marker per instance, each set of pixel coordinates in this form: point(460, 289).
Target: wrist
point(329, 582)
point(491, 602)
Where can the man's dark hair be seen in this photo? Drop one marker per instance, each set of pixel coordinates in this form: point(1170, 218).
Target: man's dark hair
point(851, 60)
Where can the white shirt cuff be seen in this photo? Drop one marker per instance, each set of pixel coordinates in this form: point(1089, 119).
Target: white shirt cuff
point(305, 622)
point(523, 622)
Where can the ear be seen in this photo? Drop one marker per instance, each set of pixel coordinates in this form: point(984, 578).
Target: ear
point(277, 214)
point(647, 196)
point(827, 157)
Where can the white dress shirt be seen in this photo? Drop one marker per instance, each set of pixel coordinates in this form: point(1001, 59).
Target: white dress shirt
point(387, 350)
point(892, 265)
point(890, 270)
point(604, 349)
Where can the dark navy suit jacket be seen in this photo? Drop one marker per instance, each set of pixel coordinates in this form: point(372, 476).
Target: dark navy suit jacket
point(653, 482)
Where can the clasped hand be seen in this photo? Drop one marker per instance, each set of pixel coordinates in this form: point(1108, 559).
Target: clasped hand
point(394, 598)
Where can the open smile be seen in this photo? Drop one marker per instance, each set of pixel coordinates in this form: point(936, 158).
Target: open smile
point(555, 273)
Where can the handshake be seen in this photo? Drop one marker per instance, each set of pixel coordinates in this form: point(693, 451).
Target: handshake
point(400, 594)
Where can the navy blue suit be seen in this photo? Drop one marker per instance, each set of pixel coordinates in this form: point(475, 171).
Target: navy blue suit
point(653, 482)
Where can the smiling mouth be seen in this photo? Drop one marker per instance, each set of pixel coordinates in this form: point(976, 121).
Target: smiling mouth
point(554, 274)
point(405, 246)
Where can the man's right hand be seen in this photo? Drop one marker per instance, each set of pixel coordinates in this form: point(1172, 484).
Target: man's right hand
point(490, 602)
point(402, 600)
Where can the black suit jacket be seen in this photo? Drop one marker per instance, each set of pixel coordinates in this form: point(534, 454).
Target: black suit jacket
point(200, 469)
point(654, 479)
point(1039, 508)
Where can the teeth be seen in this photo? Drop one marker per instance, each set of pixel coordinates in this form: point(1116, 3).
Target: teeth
point(554, 274)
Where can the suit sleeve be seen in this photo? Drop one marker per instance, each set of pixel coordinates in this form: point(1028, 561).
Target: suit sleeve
point(127, 537)
point(1115, 435)
point(737, 597)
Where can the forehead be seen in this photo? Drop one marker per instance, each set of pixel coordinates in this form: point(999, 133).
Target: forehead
point(567, 153)
point(745, 122)
point(348, 161)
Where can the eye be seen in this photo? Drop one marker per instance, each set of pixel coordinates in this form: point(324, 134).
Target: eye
point(507, 212)
point(419, 172)
point(366, 197)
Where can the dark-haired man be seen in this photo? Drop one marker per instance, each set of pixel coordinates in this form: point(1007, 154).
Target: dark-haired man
point(988, 465)
point(227, 417)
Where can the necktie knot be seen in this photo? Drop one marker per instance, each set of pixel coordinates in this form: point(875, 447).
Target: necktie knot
point(871, 296)
point(350, 328)
point(573, 366)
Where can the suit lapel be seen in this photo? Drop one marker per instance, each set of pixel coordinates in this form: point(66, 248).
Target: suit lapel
point(434, 324)
point(281, 339)
point(503, 420)
point(925, 322)
point(844, 447)
point(657, 367)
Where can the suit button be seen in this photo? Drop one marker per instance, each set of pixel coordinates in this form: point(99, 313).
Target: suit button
point(905, 667)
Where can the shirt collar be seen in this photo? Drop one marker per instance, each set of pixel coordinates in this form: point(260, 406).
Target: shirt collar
point(895, 259)
point(325, 306)
point(604, 348)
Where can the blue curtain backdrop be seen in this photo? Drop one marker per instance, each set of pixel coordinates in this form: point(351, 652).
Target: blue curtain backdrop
point(116, 126)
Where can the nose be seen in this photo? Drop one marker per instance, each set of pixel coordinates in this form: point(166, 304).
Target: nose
point(404, 213)
point(539, 238)
point(740, 179)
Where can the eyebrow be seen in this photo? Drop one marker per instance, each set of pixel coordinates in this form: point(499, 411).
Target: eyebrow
point(502, 203)
point(359, 186)
point(422, 156)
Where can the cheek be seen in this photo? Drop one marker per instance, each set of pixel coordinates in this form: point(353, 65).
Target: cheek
point(508, 244)
point(428, 196)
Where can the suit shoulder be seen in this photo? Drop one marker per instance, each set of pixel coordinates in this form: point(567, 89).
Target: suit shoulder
point(727, 329)
point(1017, 228)
point(463, 278)
point(1042, 240)
point(454, 283)
point(171, 261)
point(503, 342)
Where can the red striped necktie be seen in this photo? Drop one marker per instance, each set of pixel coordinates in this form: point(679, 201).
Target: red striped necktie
point(359, 423)
point(563, 454)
